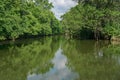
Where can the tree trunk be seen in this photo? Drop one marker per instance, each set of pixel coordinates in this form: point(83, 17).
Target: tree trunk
point(96, 34)
point(13, 39)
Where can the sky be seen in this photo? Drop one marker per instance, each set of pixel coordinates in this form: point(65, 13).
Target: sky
point(61, 7)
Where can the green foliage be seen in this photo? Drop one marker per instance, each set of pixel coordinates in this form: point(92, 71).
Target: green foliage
point(26, 17)
point(100, 17)
point(56, 26)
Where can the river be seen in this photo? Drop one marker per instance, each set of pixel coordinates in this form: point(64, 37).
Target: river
point(59, 58)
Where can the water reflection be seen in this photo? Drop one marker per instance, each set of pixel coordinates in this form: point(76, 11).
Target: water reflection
point(59, 71)
point(91, 61)
point(19, 59)
point(43, 59)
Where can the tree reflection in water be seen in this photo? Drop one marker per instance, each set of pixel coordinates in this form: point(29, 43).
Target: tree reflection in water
point(59, 71)
point(43, 59)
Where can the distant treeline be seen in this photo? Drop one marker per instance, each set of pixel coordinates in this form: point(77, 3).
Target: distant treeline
point(21, 18)
point(93, 19)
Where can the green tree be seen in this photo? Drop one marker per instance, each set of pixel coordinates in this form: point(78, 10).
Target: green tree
point(99, 18)
point(26, 18)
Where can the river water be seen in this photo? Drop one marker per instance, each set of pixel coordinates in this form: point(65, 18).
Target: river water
point(59, 58)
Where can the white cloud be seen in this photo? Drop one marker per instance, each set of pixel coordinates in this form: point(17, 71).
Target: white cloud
point(62, 6)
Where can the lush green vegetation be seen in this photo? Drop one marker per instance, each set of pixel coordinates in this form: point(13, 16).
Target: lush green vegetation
point(21, 18)
point(93, 19)
point(90, 19)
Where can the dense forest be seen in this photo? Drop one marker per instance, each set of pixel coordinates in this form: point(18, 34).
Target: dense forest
point(23, 18)
point(93, 19)
point(90, 19)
